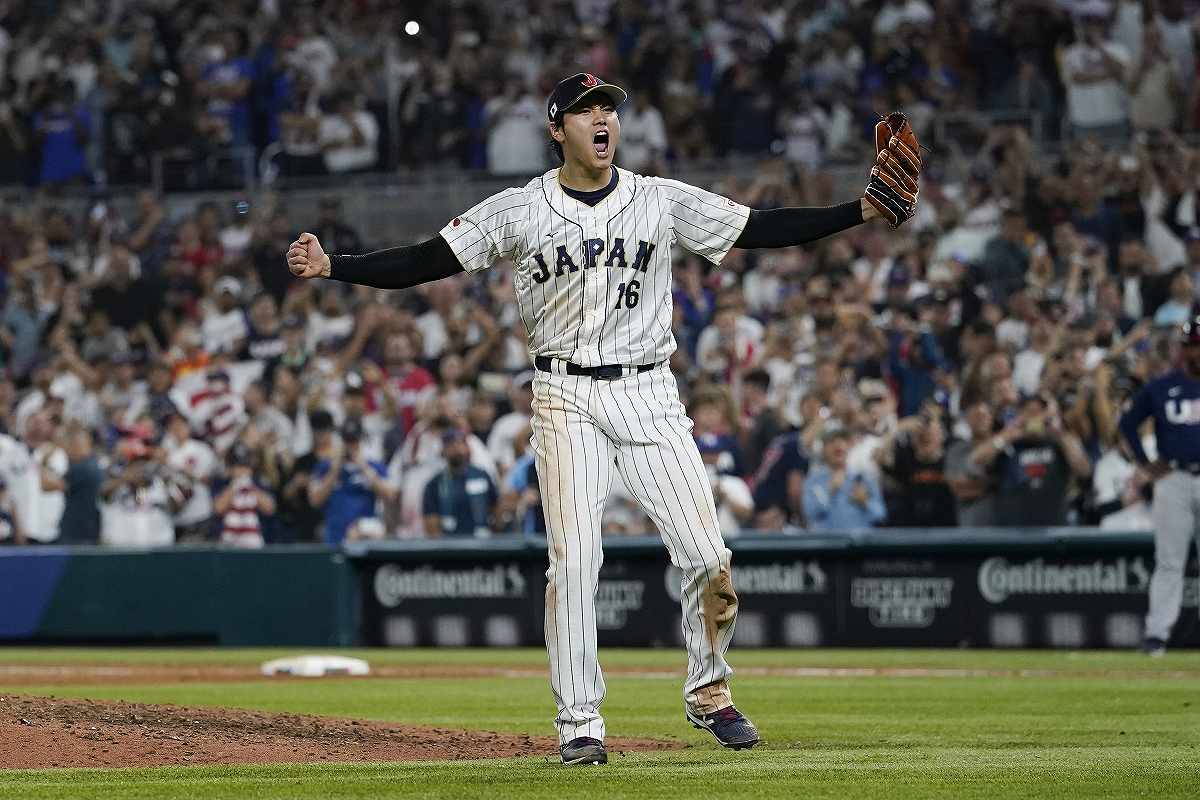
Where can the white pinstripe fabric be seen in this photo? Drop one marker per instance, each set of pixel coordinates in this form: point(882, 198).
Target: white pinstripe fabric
point(582, 428)
point(574, 316)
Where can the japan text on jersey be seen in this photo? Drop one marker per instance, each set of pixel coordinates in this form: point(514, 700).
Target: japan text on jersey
point(593, 283)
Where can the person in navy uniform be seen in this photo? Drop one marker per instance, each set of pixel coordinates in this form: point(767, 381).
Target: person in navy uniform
point(461, 499)
point(1173, 402)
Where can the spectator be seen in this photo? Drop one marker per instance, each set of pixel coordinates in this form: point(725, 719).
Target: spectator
point(52, 463)
point(734, 502)
point(731, 343)
point(274, 426)
point(461, 500)
point(914, 460)
point(1095, 72)
point(224, 85)
point(405, 386)
point(243, 502)
point(643, 136)
point(836, 499)
point(973, 486)
point(347, 485)
point(521, 498)
point(502, 440)
point(516, 132)
point(10, 522)
point(1028, 91)
point(61, 132)
point(1156, 93)
point(1035, 460)
point(196, 464)
point(298, 518)
point(349, 136)
point(264, 339)
point(80, 520)
point(224, 326)
point(139, 501)
point(759, 422)
point(779, 483)
point(1006, 258)
point(1178, 307)
point(332, 227)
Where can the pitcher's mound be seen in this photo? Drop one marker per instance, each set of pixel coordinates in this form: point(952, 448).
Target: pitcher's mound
point(38, 732)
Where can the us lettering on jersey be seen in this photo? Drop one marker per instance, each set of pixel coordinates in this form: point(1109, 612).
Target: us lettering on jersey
point(593, 283)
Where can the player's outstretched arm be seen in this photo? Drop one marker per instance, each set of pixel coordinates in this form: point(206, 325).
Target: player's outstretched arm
point(788, 227)
point(891, 194)
point(393, 268)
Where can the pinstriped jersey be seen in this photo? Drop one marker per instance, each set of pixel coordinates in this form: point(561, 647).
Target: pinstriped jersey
point(593, 283)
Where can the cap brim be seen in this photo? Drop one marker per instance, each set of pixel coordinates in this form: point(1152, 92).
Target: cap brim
point(618, 94)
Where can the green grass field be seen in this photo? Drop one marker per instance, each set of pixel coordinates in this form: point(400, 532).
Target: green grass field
point(1106, 725)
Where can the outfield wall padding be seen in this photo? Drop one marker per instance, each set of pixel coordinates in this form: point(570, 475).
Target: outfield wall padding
point(294, 595)
point(1062, 588)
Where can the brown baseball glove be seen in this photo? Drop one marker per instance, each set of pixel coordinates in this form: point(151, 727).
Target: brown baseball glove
point(894, 177)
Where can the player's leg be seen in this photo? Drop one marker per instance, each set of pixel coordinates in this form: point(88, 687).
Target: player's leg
point(1174, 525)
point(658, 458)
point(575, 470)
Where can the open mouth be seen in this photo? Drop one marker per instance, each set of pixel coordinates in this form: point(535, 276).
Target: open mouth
point(600, 143)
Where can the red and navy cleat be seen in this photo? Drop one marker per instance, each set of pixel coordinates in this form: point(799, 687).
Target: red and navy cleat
point(729, 726)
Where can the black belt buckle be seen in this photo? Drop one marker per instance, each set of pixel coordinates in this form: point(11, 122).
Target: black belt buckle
point(607, 372)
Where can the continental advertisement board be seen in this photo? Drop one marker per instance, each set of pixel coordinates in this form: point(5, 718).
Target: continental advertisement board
point(870, 591)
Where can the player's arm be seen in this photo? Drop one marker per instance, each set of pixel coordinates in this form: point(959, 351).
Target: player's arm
point(788, 227)
point(1139, 410)
point(470, 242)
point(393, 268)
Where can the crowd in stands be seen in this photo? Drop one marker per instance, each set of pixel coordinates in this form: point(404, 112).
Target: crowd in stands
point(165, 379)
point(168, 380)
point(94, 91)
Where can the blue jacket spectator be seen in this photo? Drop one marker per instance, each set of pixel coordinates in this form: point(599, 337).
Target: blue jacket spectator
point(837, 499)
point(348, 485)
point(461, 499)
point(62, 130)
point(914, 361)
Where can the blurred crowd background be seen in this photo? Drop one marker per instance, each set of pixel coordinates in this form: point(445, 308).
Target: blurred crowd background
point(166, 380)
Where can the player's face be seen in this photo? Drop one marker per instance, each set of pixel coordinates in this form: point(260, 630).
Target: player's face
point(589, 133)
point(1191, 357)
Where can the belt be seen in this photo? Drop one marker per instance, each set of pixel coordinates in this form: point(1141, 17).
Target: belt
point(604, 372)
point(1185, 466)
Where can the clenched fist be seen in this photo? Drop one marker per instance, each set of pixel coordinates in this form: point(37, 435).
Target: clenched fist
point(306, 259)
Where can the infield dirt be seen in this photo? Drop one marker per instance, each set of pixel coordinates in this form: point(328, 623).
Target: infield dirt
point(39, 732)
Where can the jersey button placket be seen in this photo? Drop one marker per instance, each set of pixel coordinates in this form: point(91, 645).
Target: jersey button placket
point(593, 293)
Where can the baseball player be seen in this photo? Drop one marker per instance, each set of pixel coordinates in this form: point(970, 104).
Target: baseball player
point(590, 246)
point(1173, 401)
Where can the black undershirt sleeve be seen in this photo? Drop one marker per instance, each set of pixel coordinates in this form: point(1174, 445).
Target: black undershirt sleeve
point(787, 227)
point(398, 267)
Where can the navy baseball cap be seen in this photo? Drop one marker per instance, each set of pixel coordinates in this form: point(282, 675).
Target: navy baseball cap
point(570, 91)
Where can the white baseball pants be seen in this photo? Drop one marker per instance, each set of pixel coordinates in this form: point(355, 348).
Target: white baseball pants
point(583, 430)
point(1176, 512)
